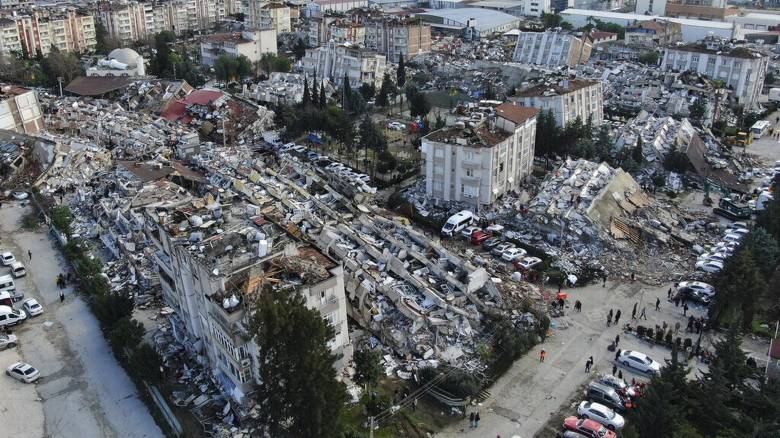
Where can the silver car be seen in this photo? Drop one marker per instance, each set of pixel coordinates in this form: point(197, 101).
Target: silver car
point(604, 415)
point(639, 361)
point(7, 341)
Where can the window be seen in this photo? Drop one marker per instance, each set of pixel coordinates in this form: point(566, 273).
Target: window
point(469, 172)
point(501, 167)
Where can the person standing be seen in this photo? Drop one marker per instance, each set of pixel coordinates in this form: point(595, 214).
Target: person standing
point(676, 327)
point(62, 296)
point(542, 354)
point(633, 311)
point(617, 340)
point(471, 420)
point(29, 254)
point(476, 420)
point(657, 303)
point(643, 314)
point(617, 354)
point(587, 366)
point(620, 374)
point(685, 309)
point(617, 317)
point(609, 318)
point(614, 369)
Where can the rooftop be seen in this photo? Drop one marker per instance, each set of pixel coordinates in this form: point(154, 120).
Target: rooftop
point(514, 113)
point(641, 17)
point(471, 137)
point(486, 19)
point(556, 88)
point(733, 52)
point(226, 38)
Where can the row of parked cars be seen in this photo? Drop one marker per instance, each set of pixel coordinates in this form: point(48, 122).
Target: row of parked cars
point(11, 316)
point(607, 398)
point(712, 261)
point(327, 164)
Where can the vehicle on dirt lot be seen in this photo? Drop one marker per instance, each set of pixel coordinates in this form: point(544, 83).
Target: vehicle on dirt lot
point(607, 396)
point(617, 384)
point(469, 231)
point(527, 262)
point(479, 237)
point(500, 248)
point(602, 414)
point(513, 254)
point(23, 372)
point(31, 307)
point(491, 243)
point(639, 361)
point(710, 266)
point(7, 341)
point(7, 258)
point(589, 428)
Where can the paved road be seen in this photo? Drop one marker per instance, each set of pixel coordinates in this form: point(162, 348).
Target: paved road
point(83, 391)
point(525, 397)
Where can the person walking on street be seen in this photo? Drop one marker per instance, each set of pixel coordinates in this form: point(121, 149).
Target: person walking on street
point(577, 306)
point(685, 310)
point(604, 281)
point(633, 277)
point(614, 369)
point(617, 317)
point(617, 354)
point(633, 311)
point(609, 318)
point(643, 314)
point(476, 420)
point(587, 366)
point(29, 254)
point(669, 294)
point(657, 303)
point(62, 296)
point(677, 327)
point(542, 354)
point(617, 340)
point(471, 420)
point(620, 374)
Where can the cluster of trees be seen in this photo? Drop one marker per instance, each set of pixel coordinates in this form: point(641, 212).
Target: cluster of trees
point(576, 138)
point(231, 68)
point(270, 63)
point(698, 110)
point(649, 58)
point(550, 21)
point(595, 23)
point(731, 399)
point(41, 71)
point(169, 64)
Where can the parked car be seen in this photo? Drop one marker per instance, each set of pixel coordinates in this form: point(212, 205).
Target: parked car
point(732, 237)
point(7, 341)
point(607, 396)
point(513, 254)
point(31, 307)
point(602, 414)
point(495, 228)
point(738, 230)
point(468, 231)
point(589, 428)
point(501, 247)
point(6, 258)
point(717, 256)
point(23, 372)
point(639, 361)
point(697, 285)
point(710, 266)
point(19, 195)
point(17, 270)
point(396, 126)
point(479, 237)
point(491, 243)
point(10, 316)
point(619, 385)
point(696, 295)
point(527, 262)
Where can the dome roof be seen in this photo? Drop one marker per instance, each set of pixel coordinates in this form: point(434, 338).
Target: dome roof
point(125, 56)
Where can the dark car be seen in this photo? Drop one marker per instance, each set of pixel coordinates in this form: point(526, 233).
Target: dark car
point(491, 243)
point(695, 295)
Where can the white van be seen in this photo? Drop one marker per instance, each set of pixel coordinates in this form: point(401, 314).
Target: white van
point(17, 270)
point(10, 316)
point(457, 222)
point(7, 283)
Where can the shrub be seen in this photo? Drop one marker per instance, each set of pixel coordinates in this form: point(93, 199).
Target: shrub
point(126, 333)
point(649, 333)
point(640, 331)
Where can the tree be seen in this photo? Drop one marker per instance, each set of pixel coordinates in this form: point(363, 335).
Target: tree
point(604, 144)
point(126, 333)
point(229, 68)
point(306, 95)
point(400, 73)
point(385, 90)
point(676, 160)
point(323, 101)
point(111, 307)
point(61, 64)
point(769, 79)
point(637, 154)
point(367, 367)
point(769, 218)
point(367, 90)
point(698, 110)
point(62, 219)
point(299, 49)
point(489, 93)
point(270, 62)
point(765, 250)
point(738, 285)
point(298, 393)
point(649, 58)
point(161, 65)
point(419, 106)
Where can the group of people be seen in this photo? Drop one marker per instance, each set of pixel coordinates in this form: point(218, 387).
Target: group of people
point(610, 315)
point(474, 420)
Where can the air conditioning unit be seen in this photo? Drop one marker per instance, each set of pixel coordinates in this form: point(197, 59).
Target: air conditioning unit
point(246, 362)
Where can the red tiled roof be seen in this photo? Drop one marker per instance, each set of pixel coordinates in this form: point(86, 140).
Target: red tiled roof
point(515, 114)
point(177, 111)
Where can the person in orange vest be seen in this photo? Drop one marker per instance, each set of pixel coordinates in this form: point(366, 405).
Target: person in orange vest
point(542, 354)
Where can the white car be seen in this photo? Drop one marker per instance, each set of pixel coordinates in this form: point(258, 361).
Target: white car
point(23, 372)
point(7, 341)
point(19, 195)
point(501, 248)
point(468, 231)
point(717, 256)
point(697, 285)
point(710, 266)
point(513, 254)
point(7, 258)
point(740, 231)
point(31, 307)
point(733, 237)
point(529, 262)
point(639, 361)
point(396, 126)
point(602, 414)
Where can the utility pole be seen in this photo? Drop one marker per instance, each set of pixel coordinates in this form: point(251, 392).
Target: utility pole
point(370, 427)
point(60, 79)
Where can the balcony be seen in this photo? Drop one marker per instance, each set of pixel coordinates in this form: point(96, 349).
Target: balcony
point(228, 320)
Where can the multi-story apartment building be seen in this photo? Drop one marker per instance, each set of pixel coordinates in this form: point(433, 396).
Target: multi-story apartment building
point(715, 10)
point(333, 61)
point(344, 31)
point(518, 8)
point(479, 165)
point(250, 43)
point(20, 110)
point(320, 6)
point(551, 48)
point(260, 14)
point(567, 98)
point(653, 33)
point(319, 29)
point(37, 30)
point(742, 69)
point(214, 260)
point(16, 3)
point(398, 37)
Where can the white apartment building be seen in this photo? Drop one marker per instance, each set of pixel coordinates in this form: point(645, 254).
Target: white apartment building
point(333, 61)
point(479, 165)
point(567, 98)
point(397, 38)
point(250, 43)
point(10, 41)
point(211, 287)
point(551, 48)
point(20, 110)
point(260, 14)
point(742, 69)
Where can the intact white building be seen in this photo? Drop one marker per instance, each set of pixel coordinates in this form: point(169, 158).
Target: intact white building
point(551, 48)
point(742, 69)
point(518, 8)
point(479, 165)
point(120, 62)
point(567, 98)
point(250, 43)
point(261, 14)
point(332, 61)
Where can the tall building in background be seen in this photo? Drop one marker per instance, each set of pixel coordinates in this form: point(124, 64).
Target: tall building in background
point(551, 48)
point(38, 30)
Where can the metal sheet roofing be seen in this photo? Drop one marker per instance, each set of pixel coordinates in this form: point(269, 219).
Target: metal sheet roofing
point(486, 19)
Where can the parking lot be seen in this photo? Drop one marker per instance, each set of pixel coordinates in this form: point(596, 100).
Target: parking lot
point(82, 392)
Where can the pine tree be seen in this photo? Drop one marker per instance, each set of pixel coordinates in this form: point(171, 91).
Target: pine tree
point(323, 103)
point(765, 250)
point(400, 74)
point(367, 367)
point(315, 92)
point(346, 94)
point(382, 98)
point(604, 144)
point(738, 285)
point(298, 393)
point(306, 95)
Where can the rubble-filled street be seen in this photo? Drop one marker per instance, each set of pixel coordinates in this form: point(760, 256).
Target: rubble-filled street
point(335, 218)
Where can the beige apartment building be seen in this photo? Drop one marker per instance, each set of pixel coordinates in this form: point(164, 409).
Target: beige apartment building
point(261, 14)
point(551, 48)
point(250, 43)
point(479, 165)
point(567, 98)
point(67, 29)
point(398, 38)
